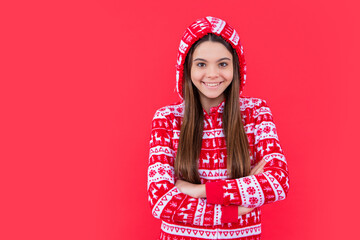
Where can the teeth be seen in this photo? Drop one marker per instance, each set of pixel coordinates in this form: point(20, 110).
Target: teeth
point(212, 84)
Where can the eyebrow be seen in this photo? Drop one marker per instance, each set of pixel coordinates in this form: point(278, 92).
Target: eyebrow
point(201, 59)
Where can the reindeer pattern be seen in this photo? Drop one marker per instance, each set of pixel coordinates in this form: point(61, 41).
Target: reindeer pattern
point(212, 166)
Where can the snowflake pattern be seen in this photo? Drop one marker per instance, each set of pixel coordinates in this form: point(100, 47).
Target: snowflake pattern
point(253, 200)
point(259, 132)
point(152, 173)
point(267, 129)
point(247, 180)
point(176, 208)
point(251, 190)
point(161, 170)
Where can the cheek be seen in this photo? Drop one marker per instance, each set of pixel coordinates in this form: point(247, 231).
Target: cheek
point(228, 74)
point(196, 75)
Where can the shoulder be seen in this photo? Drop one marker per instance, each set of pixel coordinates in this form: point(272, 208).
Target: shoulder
point(170, 111)
point(254, 107)
point(251, 102)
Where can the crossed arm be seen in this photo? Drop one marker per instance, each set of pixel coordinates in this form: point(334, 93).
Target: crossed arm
point(215, 203)
point(199, 190)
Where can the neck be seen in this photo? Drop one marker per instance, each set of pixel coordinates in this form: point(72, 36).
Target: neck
point(209, 103)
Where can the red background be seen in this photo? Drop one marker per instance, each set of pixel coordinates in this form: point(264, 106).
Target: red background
point(81, 80)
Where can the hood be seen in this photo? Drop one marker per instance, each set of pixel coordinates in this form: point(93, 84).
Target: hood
point(197, 30)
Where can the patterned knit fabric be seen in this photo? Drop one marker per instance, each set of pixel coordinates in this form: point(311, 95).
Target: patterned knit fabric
point(214, 217)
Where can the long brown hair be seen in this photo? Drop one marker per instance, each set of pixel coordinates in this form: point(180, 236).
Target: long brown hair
point(190, 142)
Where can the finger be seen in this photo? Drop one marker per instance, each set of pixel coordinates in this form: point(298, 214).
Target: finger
point(260, 170)
point(262, 165)
point(253, 171)
point(244, 210)
point(258, 166)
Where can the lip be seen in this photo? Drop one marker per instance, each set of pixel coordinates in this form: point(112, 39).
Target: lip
point(204, 83)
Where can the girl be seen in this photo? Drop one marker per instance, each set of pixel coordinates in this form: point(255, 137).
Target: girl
point(215, 156)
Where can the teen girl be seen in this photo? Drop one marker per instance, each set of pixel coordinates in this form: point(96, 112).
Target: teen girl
point(215, 156)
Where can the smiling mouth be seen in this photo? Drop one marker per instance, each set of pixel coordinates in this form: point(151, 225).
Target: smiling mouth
point(211, 84)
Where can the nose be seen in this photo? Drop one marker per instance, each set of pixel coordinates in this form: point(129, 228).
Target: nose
point(212, 72)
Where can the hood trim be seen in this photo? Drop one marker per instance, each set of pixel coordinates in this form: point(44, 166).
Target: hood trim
point(197, 30)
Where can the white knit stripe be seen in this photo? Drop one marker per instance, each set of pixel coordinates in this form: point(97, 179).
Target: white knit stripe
point(217, 25)
point(207, 134)
point(250, 103)
point(177, 113)
point(271, 156)
point(216, 132)
point(161, 150)
point(213, 174)
point(240, 232)
point(276, 186)
point(244, 184)
point(264, 135)
point(155, 174)
point(183, 46)
point(249, 128)
point(163, 201)
point(206, 233)
point(188, 231)
point(160, 113)
point(217, 214)
point(200, 212)
point(234, 38)
point(261, 111)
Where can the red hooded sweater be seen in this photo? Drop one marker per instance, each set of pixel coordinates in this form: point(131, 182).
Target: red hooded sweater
point(214, 217)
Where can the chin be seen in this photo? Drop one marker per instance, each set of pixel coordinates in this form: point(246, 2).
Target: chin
point(212, 96)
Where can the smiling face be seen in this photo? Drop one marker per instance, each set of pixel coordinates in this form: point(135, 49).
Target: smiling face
point(211, 72)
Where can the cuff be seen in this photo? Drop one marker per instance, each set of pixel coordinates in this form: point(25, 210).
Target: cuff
point(214, 192)
point(229, 214)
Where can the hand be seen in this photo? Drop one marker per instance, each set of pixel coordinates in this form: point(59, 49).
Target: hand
point(244, 210)
point(259, 168)
point(193, 190)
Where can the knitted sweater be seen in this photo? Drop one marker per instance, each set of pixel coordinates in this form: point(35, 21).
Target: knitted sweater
point(216, 216)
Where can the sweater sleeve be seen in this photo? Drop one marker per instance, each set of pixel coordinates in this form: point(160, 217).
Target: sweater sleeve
point(270, 186)
point(165, 199)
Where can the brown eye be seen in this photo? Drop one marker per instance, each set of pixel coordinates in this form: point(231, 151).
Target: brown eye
point(200, 64)
point(223, 64)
